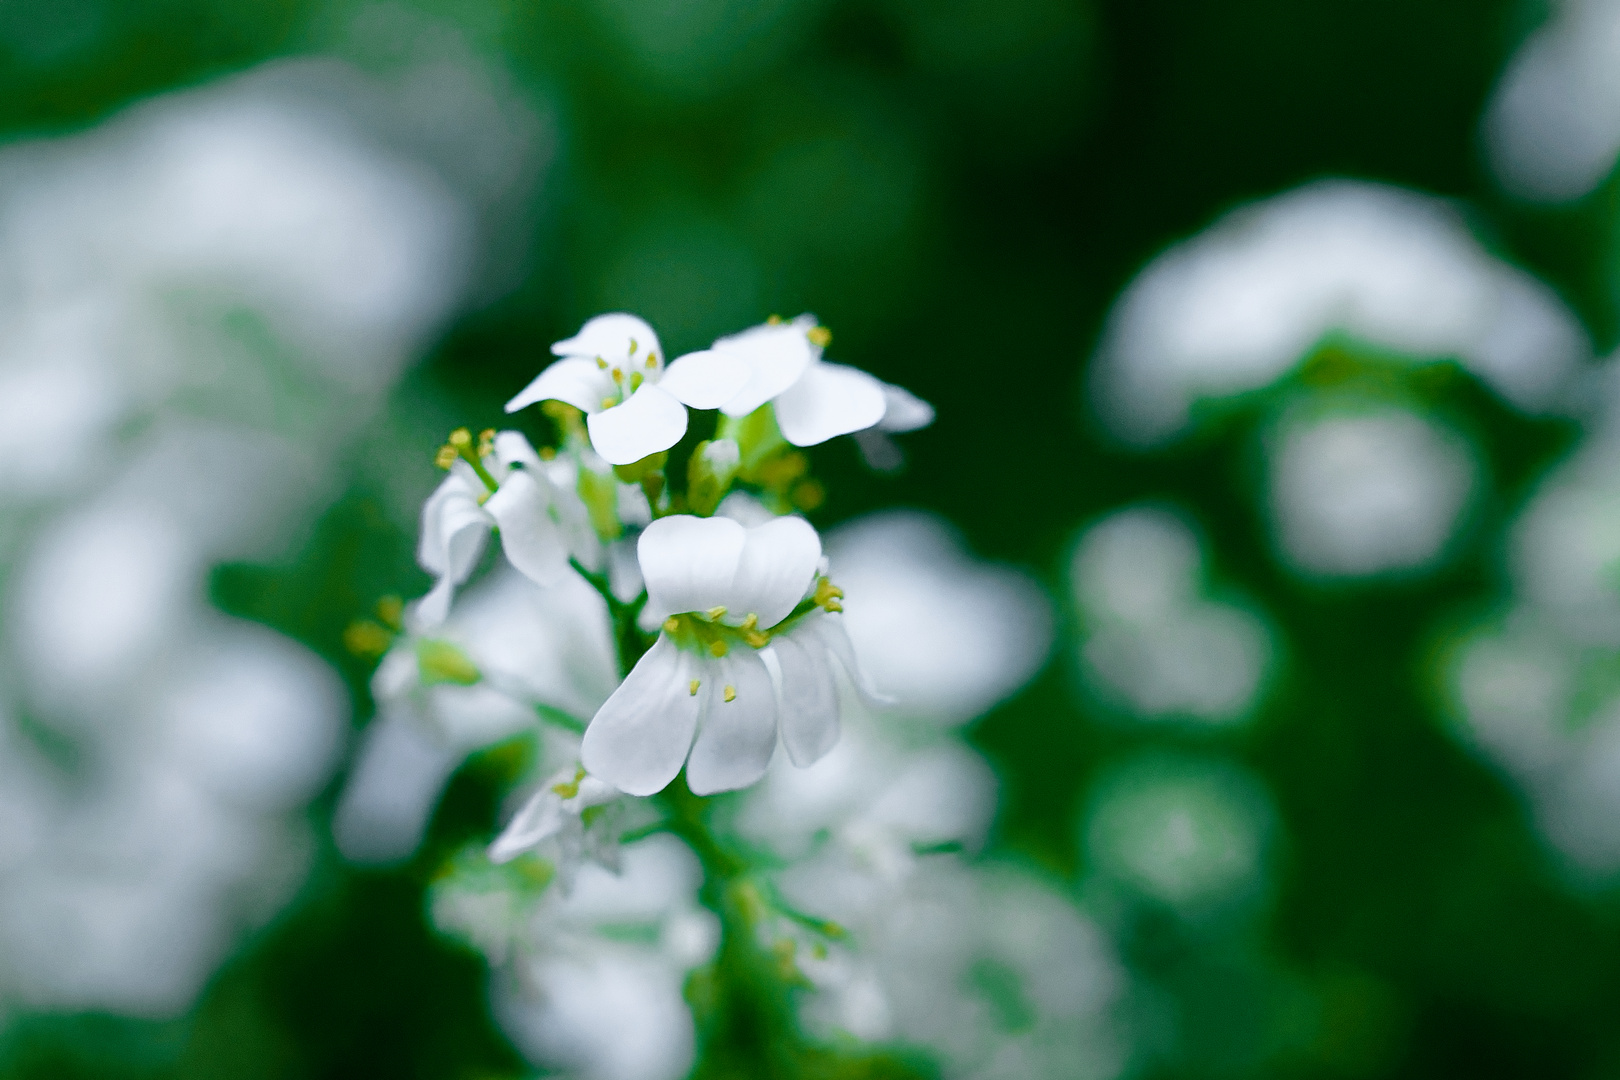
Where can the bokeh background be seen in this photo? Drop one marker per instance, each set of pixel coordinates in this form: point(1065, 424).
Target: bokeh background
point(1267, 336)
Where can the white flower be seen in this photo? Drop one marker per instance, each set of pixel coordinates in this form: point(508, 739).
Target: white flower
point(526, 507)
point(507, 648)
point(553, 822)
point(724, 592)
point(591, 982)
point(613, 370)
point(814, 400)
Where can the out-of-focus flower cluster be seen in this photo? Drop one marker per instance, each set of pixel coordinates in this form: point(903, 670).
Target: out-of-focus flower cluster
point(173, 278)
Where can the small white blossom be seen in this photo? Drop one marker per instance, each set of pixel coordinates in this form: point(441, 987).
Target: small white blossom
point(614, 371)
point(724, 593)
point(814, 400)
point(528, 509)
point(553, 823)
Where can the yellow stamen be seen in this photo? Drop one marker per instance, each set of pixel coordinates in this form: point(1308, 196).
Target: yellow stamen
point(608, 403)
point(652, 361)
point(636, 379)
point(715, 612)
point(750, 622)
point(601, 364)
point(460, 437)
point(618, 375)
point(773, 320)
point(486, 442)
point(719, 648)
point(731, 693)
point(692, 689)
point(548, 453)
point(757, 638)
point(391, 611)
point(672, 624)
point(446, 456)
point(632, 346)
point(819, 335)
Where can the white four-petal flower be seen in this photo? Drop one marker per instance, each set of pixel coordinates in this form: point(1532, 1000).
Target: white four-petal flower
point(814, 400)
point(703, 694)
point(614, 371)
point(459, 515)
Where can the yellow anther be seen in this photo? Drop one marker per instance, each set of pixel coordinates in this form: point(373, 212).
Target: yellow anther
point(750, 622)
point(672, 625)
point(652, 361)
point(486, 442)
point(446, 456)
point(773, 320)
point(827, 595)
point(819, 335)
point(692, 688)
point(601, 364)
point(391, 612)
point(608, 403)
point(833, 605)
point(618, 375)
point(757, 638)
point(633, 346)
point(715, 612)
point(719, 648)
point(460, 437)
point(636, 379)
point(548, 453)
point(731, 693)
point(365, 638)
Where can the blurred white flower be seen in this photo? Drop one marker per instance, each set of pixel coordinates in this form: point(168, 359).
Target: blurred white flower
point(992, 971)
point(1553, 123)
point(1243, 303)
point(1189, 834)
point(1152, 639)
point(507, 648)
point(943, 635)
point(1358, 493)
point(460, 514)
point(721, 592)
point(590, 981)
point(553, 823)
point(1531, 685)
point(614, 371)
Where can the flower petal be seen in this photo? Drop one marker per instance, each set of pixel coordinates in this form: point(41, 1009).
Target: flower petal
point(689, 562)
point(807, 698)
point(454, 530)
point(778, 562)
point(532, 540)
point(514, 448)
point(736, 738)
point(391, 790)
point(577, 381)
point(639, 737)
point(828, 628)
point(707, 379)
point(542, 817)
point(776, 357)
point(829, 400)
point(903, 410)
point(611, 337)
point(650, 421)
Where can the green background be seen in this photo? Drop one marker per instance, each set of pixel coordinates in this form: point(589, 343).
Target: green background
point(959, 189)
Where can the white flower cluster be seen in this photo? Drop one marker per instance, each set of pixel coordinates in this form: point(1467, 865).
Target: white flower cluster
point(697, 629)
